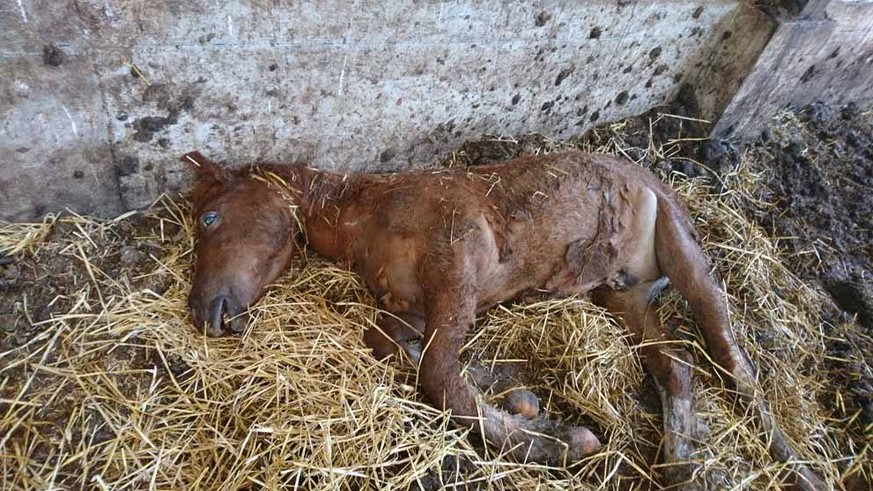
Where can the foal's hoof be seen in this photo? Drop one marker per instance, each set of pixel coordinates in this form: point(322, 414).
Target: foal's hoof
point(546, 442)
point(522, 402)
point(681, 476)
point(694, 475)
point(382, 345)
point(804, 479)
point(581, 442)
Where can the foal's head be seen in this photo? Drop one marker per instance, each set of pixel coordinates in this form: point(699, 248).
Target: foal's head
point(245, 231)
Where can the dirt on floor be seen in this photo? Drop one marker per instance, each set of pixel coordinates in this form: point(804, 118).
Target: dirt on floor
point(818, 168)
point(817, 171)
point(43, 283)
point(35, 287)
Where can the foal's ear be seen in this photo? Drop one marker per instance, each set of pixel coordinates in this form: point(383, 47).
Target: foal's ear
point(204, 167)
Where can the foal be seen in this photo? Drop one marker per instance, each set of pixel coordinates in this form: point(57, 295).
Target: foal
point(438, 247)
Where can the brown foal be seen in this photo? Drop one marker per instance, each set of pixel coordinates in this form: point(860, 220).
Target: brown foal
point(438, 247)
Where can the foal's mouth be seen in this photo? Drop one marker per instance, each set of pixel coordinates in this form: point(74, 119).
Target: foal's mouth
point(222, 316)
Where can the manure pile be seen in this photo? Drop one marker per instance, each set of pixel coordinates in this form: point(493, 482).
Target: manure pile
point(105, 385)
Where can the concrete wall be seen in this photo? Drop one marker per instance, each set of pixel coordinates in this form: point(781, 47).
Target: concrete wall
point(98, 98)
point(823, 53)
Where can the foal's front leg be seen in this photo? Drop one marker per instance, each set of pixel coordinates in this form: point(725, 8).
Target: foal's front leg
point(450, 311)
point(403, 332)
point(393, 333)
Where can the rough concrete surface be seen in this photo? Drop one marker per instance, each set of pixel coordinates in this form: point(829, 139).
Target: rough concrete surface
point(98, 98)
point(822, 54)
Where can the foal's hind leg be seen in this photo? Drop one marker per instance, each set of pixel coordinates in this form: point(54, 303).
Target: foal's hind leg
point(669, 364)
point(660, 351)
point(682, 260)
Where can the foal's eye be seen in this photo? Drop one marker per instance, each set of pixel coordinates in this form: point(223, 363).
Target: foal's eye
point(209, 218)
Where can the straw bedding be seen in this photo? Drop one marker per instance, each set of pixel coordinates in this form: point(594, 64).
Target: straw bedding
point(105, 385)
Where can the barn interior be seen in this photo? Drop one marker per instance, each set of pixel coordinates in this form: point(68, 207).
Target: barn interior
point(760, 114)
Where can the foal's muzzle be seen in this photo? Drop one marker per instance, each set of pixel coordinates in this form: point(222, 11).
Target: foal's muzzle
point(220, 316)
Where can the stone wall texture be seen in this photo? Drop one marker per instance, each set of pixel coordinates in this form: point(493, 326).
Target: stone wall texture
point(99, 98)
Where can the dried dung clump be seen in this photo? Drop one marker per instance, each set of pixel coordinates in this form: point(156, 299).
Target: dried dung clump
point(104, 384)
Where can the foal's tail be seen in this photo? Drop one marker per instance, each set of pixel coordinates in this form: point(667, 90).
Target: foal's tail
point(682, 260)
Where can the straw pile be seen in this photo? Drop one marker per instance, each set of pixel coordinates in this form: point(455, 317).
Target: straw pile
point(107, 386)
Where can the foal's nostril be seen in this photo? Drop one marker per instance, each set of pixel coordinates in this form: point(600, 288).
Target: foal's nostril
point(215, 315)
point(236, 316)
point(222, 315)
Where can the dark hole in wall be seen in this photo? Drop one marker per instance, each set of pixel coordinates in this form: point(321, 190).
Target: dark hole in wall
point(127, 166)
point(621, 98)
point(564, 74)
point(146, 127)
point(542, 18)
point(808, 74)
point(781, 9)
point(52, 55)
point(387, 155)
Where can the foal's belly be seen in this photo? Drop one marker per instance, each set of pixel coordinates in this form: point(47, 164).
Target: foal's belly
point(389, 267)
point(391, 273)
point(565, 250)
point(398, 288)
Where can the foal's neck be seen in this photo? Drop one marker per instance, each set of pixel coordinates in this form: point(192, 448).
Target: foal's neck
point(320, 199)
